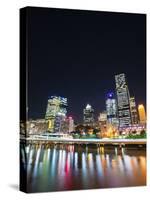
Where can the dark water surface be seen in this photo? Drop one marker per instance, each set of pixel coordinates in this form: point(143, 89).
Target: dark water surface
point(70, 167)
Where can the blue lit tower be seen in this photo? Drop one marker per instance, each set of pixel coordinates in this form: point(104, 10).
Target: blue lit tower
point(111, 109)
point(56, 113)
point(123, 102)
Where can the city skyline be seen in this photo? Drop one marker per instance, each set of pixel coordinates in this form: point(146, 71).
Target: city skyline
point(120, 114)
point(85, 70)
point(106, 97)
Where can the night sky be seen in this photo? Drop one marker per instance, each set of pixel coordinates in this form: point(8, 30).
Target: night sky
point(76, 54)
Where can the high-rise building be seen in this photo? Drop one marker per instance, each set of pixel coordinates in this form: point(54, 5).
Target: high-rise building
point(88, 115)
point(102, 119)
point(70, 124)
point(142, 115)
point(111, 109)
point(133, 110)
point(56, 112)
point(123, 103)
point(59, 122)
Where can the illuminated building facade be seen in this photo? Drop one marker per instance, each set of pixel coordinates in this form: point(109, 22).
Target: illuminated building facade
point(56, 112)
point(70, 124)
point(123, 103)
point(102, 119)
point(142, 114)
point(59, 122)
point(111, 109)
point(133, 128)
point(133, 110)
point(66, 126)
point(37, 126)
point(102, 116)
point(104, 124)
point(88, 115)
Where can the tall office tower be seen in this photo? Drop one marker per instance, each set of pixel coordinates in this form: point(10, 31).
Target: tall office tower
point(142, 115)
point(111, 109)
point(88, 115)
point(123, 101)
point(133, 110)
point(55, 112)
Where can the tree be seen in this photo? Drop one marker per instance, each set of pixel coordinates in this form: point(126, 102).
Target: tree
point(79, 128)
point(96, 130)
point(143, 132)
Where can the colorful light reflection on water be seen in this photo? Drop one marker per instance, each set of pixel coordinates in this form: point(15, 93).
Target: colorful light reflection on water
point(69, 167)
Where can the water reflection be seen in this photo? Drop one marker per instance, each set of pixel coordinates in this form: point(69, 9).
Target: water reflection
point(68, 167)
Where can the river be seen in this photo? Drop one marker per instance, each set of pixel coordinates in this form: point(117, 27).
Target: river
point(71, 167)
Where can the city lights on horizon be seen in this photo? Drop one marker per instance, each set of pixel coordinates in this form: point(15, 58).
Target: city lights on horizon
point(120, 108)
point(120, 111)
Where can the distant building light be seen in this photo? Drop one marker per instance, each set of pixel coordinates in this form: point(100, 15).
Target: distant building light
point(88, 106)
point(140, 106)
point(110, 95)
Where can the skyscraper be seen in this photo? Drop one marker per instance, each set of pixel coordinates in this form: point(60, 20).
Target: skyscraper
point(88, 115)
point(111, 109)
point(142, 115)
point(133, 110)
point(123, 100)
point(55, 112)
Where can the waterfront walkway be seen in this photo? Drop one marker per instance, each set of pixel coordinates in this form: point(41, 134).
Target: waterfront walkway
point(87, 141)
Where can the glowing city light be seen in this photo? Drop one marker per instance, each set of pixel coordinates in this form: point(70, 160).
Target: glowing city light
point(142, 114)
point(88, 106)
point(140, 106)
